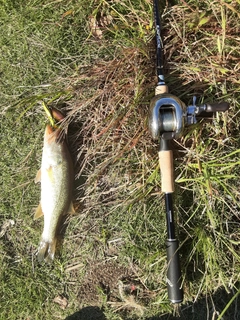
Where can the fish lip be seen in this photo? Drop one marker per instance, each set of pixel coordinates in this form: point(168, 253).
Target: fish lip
point(57, 115)
point(53, 135)
point(49, 130)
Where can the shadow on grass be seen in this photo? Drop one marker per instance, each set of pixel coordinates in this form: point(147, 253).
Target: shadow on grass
point(206, 308)
point(88, 313)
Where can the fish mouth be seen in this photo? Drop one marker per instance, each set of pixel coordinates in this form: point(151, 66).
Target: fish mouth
point(57, 115)
point(55, 133)
point(49, 130)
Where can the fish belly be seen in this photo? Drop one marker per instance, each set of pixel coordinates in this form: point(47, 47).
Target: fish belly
point(54, 201)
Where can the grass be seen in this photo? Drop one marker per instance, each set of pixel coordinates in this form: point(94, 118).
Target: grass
point(95, 60)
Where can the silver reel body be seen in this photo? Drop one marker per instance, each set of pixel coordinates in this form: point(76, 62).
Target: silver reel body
point(166, 116)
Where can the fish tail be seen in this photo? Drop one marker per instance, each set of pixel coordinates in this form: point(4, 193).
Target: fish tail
point(46, 250)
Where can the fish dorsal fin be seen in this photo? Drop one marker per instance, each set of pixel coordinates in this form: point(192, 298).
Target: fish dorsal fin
point(38, 212)
point(71, 209)
point(38, 176)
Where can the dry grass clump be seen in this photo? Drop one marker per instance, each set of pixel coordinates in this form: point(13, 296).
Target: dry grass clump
point(114, 137)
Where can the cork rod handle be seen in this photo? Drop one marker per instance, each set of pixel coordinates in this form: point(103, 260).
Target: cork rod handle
point(167, 171)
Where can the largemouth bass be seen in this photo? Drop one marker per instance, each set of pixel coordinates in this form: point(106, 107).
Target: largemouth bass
point(56, 176)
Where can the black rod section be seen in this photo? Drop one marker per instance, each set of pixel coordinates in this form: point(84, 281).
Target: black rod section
point(170, 216)
point(160, 74)
point(174, 276)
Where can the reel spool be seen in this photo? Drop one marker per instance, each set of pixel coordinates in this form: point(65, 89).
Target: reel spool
point(166, 117)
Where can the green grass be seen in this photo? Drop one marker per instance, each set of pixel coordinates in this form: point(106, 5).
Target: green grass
point(95, 60)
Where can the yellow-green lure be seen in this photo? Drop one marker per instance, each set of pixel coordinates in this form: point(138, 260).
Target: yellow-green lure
point(50, 117)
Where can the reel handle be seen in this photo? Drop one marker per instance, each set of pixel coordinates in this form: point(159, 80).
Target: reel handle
point(204, 110)
point(174, 277)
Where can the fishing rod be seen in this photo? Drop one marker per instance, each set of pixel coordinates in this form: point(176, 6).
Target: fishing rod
point(168, 116)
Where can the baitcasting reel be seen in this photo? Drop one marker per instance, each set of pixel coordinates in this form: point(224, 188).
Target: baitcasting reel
point(168, 115)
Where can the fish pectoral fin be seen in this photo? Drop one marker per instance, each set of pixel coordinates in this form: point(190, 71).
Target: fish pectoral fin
point(50, 173)
point(38, 212)
point(71, 209)
point(38, 176)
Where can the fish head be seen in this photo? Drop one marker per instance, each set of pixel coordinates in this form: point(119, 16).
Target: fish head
point(53, 135)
